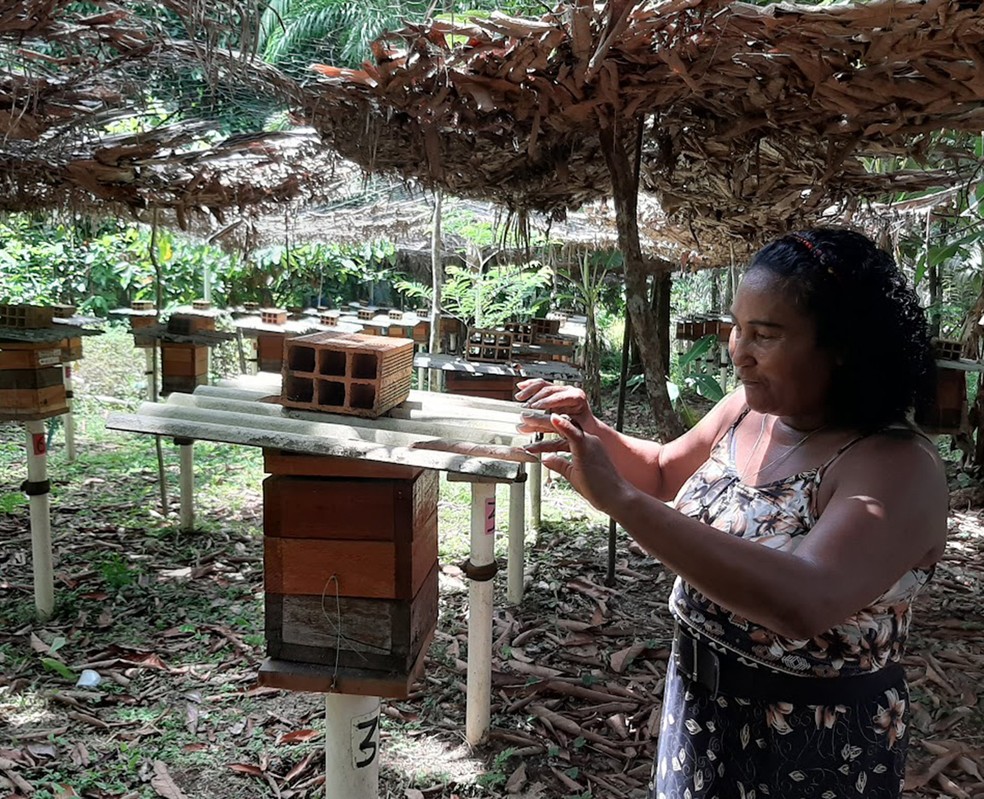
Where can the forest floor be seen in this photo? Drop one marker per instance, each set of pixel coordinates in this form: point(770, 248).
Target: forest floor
point(172, 624)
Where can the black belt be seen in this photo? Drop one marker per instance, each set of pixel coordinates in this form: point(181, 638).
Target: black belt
point(724, 674)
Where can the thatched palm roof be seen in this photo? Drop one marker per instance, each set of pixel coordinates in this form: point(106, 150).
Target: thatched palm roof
point(753, 119)
point(79, 130)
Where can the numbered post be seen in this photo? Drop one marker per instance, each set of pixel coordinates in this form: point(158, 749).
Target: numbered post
point(69, 420)
point(477, 711)
point(186, 475)
point(37, 487)
point(351, 746)
point(517, 537)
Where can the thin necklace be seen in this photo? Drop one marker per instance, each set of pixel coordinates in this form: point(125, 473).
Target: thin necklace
point(779, 458)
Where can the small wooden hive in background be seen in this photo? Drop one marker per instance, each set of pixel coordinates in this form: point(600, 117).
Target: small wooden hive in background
point(32, 384)
point(146, 316)
point(270, 351)
point(347, 373)
point(949, 412)
point(500, 387)
point(350, 573)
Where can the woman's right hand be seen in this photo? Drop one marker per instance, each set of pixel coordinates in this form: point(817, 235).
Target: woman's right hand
point(539, 395)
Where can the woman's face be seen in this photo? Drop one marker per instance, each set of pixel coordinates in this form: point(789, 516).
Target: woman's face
point(774, 349)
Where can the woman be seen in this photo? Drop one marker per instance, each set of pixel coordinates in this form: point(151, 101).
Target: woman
point(806, 515)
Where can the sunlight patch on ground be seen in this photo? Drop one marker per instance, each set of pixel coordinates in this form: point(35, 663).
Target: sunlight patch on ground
point(26, 710)
point(425, 758)
point(968, 522)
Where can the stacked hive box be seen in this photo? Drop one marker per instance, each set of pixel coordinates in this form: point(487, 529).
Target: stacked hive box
point(350, 572)
point(270, 351)
point(32, 385)
point(145, 317)
point(347, 373)
point(949, 413)
point(185, 366)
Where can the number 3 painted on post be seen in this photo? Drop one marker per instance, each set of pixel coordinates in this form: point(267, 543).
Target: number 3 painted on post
point(365, 728)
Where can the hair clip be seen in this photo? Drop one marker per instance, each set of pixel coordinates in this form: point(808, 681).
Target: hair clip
point(815, 251)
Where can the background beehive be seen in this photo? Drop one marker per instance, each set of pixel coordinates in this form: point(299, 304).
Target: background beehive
point(347, 373)
point(27, 393)
point(350, 565)
point(183, 367)
point(270, 352)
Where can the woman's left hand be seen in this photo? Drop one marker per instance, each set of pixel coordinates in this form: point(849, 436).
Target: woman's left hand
point(588, 469)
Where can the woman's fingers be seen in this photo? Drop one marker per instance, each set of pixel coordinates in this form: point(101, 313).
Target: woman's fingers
point(548, 445)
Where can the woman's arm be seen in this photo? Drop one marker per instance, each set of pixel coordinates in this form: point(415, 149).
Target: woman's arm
point(658, 470)
point(886, 514)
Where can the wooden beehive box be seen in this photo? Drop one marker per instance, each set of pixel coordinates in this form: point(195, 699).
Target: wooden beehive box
point(350, 564)
point(186, 324)
point(500, 387)
point(347, 373)
point(201, 305)
point(29, 354)
point(32, 393)
point(270, 351)
point(71, 349)
point(184, 367)
point(949, 413)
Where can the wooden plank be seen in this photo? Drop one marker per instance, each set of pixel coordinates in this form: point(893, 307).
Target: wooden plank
point(30, 357)
point(378, 634)
point(281, 462)
point(341, 508)
point(31, 379)
point(312, 678)
point(22, 402)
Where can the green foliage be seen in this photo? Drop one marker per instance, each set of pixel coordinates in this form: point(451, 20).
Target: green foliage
point(487, 298)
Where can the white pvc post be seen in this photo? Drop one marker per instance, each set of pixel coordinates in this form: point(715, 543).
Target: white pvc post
point(69, 417)
point(149, 353)
point(517, 537)
point(186, 518)
point(536, 493)
point(479, 690)
point(37, 478)
point(351, 746)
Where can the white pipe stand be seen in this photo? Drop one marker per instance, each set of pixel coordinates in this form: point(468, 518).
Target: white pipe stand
point(351, 746)
point(41, 560)
point(479, 691)
point(149, 371)
point(536, 494)
point(69, 420)
point(186, 475)
point(517, 537)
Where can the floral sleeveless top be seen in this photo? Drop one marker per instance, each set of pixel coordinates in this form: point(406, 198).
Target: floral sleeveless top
point(780, 515)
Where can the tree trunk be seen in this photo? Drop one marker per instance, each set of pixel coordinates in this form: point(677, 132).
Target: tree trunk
point(662, 285)
point(625, 191)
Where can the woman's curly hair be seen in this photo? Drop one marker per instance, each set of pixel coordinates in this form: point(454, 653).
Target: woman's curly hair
point(867, 316)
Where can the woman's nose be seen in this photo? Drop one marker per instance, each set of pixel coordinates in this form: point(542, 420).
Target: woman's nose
point(738, 351)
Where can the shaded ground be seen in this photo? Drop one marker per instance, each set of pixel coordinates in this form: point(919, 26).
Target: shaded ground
point(173, 626)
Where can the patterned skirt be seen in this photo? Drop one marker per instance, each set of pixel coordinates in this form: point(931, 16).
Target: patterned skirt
point(731, 748)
